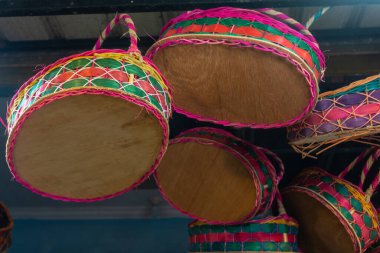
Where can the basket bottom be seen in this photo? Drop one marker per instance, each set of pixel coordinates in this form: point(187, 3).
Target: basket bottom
point(206, 182)
point(86, 147)
point(232, 84)
point(320, 231)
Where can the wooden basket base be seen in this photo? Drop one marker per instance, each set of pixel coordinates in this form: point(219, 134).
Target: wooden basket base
point(234, 84)
point(206, 182)
point(86, 146)
point(320, 230)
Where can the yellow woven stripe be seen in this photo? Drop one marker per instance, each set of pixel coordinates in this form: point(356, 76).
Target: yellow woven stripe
point(118, 56)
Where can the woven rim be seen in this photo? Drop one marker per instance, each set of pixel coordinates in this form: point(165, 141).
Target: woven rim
point(334, 118)
point(301, 67)
point(74, 92)
point(315, 195)
point(282, 219)
point(104, 52)
point(256, 182)
point(250, 166)
point(266, 18)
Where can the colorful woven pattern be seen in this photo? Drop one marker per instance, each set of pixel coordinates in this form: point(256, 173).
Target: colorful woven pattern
point(268, 234)
point(345, 200)
point(6, 225)
point(125, 75)
point(110, 70)
point(375, 248)
point(264, 30)
point(266, 168)
point(349, 113)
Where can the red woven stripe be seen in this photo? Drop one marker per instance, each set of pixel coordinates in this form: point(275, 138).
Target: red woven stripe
point(245, 31)
point(242, 237)
point(342, 113)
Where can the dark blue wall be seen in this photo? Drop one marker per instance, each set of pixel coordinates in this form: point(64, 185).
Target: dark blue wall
point(100, 236)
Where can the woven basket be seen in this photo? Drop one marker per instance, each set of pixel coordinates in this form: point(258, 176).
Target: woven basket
point(270, 234)
point(238, 67)
point(6, 225)
point(347, 114)
point(334, 215)
point(213, 176)
point(89, 126)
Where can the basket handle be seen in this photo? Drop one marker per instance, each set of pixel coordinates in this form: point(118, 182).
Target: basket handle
point(354, 163)
point(373, 154)
point(280, 172)
point(131, 30)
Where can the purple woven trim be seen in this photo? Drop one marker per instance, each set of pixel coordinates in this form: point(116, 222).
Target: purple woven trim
point(347, 100)
point(313, 87)
point(355, 123)
point(74, 92)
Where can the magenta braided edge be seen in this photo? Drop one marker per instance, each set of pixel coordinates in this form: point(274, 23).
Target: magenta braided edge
point(86, 53)
point(313, 87)
point(258, 150)
point(90, 91)
point(225, 12)
point(207, 129)
point(257, 205)
point(326, 204)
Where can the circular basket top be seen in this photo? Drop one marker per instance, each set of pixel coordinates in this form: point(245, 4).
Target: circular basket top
point(103, 69)
point(345, 200)
point(232, 172)
point(234, 24)
point(273, 233)
point(220, 63)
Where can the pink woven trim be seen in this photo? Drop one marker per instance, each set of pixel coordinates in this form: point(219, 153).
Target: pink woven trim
point(251, 15)
point(321, 199)
point(87, 53)
point(75, 92)
point(313, 87)
point(257, 205)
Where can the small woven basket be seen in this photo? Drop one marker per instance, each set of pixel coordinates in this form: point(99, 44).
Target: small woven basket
point(270, 234)
point(238, 67)
point(334, 214)
point(90, 126)
point(213, 176)
point(351, 113)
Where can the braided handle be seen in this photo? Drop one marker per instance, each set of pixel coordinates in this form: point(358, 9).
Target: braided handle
point(280, 172)
point(131, 30)
point(375, 182)
point(286, 19)
point(373, 154)
point(316, 16)
point(354, 163)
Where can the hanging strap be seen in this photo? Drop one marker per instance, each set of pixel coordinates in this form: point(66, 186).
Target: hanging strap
point(316, 16)
point(126, 19)
point(372, 155)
